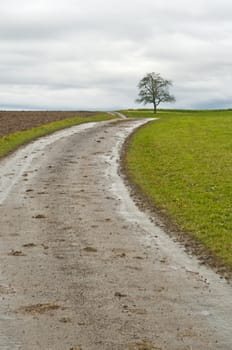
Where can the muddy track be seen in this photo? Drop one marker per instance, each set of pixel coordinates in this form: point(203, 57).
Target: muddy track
point(83, 268)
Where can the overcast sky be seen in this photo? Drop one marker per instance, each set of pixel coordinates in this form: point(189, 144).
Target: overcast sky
point(91, 54)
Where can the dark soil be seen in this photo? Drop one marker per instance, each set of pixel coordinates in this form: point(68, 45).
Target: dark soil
point(12, 121)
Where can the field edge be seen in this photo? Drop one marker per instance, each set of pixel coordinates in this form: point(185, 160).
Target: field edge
point(11, 142)
point(157, 215)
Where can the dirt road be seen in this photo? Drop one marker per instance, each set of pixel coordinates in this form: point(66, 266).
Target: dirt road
point(82, 268)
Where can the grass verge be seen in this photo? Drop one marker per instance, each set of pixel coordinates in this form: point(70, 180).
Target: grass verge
point(131, 113)
point(183, 164)
point(11, 142)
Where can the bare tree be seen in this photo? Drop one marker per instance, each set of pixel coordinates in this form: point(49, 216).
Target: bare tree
point(154, 89)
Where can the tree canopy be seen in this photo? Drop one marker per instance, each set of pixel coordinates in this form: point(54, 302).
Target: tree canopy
point(154, 89)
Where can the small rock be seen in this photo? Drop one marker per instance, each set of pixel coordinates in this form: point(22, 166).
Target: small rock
point(90, 249)
point(119, 295)
point(16, 253)
point(29, 245)
point(65, 320)
point(39, 216)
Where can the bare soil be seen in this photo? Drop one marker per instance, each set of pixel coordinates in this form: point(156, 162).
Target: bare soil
point(11, 121)
point(82, 268)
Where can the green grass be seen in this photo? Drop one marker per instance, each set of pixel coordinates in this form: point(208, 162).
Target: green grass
point(183, 163)
point(11, 142)
point(138, 113)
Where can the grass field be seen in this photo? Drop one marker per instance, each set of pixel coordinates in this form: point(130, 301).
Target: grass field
point(183, 164)
point(11, 142)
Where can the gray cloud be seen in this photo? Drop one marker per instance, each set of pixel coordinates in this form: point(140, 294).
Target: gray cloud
point(90, 55)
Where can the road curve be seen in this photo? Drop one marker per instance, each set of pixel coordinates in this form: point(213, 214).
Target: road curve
point(83, 269)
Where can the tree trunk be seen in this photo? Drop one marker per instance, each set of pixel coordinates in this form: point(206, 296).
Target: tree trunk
point(155, 108)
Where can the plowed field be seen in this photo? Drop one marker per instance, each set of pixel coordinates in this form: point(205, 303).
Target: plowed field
point(12, 121)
